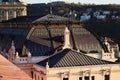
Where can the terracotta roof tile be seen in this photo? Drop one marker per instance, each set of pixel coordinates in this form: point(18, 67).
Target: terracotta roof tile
point(8, 71)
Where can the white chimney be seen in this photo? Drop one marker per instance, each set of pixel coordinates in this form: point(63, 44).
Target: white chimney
point(17, 55)
point(66, 39)
point(13, 47)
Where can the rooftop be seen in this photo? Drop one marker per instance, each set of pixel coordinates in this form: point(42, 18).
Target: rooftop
point(71, 58)
point(8, 71)
point(53, 19)
point(42, 38)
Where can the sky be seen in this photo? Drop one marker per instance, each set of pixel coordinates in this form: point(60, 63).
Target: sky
point(76, 1)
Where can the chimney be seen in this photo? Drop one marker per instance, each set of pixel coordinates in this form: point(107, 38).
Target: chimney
point(66, 39)
point(29, 57)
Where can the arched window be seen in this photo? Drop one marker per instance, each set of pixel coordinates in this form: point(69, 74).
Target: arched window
point(10, 13)
point(65, 79)
point(107, 77)
point(93, 78)
point(2, 13)
point(80, 78)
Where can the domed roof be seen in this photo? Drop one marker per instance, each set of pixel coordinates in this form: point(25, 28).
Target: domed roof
point(46, 35)
point(46, 38)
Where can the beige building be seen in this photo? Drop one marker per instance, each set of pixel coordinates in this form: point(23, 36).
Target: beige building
point(77, 66)
point(11, 9)
point(58, 48)
point(69, 64)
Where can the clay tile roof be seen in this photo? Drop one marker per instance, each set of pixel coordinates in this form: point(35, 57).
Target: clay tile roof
point(8, 71)
point(68, 58)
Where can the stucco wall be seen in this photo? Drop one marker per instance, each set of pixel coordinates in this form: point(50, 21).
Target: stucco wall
point(73, 73)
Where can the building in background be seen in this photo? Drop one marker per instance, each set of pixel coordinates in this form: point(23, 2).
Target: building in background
point(11, 9)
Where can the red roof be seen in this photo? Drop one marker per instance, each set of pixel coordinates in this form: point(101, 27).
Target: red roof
point(8, 71)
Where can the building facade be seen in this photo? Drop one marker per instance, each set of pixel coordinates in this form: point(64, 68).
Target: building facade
point(55, 47)
point(11, 9)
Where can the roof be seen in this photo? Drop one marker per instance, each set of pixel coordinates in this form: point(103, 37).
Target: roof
point(38, 49)
point(80, 38)
point(8, 71)
point(23, 19)
point(7, 34)
point(53, 19)
point(42, 39)
point(70, 58)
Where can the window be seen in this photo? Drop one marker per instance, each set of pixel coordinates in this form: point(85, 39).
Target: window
point(65, 78)
point(80, 78)
point(35, 76)
point(93, 78)
point(2, 13)
point(10, 13)
point(32, 73)
point(107, 77)
point(42, 78)
point(38, 78)
point(86, 77)
point(18, 13)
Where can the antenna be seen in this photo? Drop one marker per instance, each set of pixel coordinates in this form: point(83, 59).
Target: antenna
point(51, 8)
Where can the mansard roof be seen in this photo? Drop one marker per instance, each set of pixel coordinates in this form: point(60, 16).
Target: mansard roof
point(8, 71)
point(71, 58)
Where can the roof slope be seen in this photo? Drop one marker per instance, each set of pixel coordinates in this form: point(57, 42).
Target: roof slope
point(53, 19)
point(7, 34)
point(20, 19)
point(68, 58)
point(79, 38)
point(42, 38)
point(9, 71)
